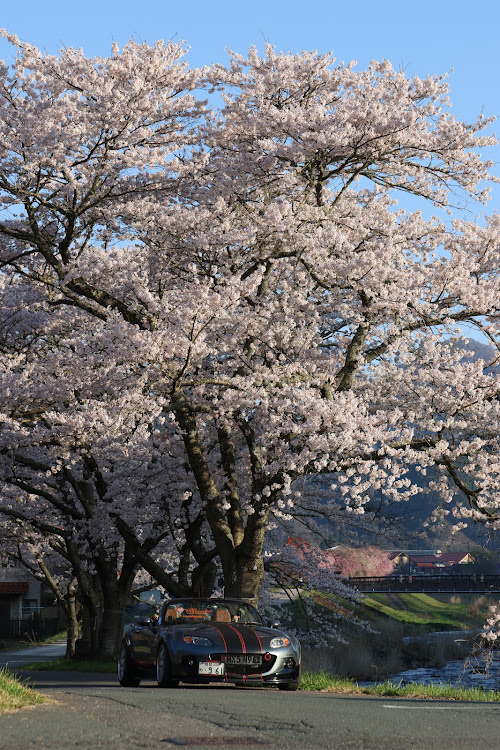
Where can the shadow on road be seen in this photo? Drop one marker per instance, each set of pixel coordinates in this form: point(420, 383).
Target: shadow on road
point(64, 680)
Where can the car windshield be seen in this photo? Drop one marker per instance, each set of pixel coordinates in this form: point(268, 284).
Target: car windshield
point(209, 610)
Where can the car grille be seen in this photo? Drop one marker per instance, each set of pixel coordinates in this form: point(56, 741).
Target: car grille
point(246, 669)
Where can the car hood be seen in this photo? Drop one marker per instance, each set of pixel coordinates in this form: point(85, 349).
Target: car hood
point(236, 636)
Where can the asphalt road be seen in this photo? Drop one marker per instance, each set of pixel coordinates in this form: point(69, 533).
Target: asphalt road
point(92, 712)
point(16, 658)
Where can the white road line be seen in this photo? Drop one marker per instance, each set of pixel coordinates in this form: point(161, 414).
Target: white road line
point(437, 708)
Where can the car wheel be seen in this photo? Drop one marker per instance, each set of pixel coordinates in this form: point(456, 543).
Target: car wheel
point(164, 668)
point(289, 686)
point(126, 676)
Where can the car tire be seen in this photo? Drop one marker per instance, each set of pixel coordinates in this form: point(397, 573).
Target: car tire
point(164, 668)
point(126, 675)
point(289, 686)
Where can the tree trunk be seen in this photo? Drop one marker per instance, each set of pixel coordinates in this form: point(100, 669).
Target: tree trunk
point(71, 608)
point(243, 577)
point(115, 591)
point(244, 567)
point(111, 628)
point(86, 647)
point(203, 579)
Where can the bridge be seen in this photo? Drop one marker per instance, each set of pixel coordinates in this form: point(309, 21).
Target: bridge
point(444, 584)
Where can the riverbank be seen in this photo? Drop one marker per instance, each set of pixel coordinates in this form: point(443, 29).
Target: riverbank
point(419, 613)
point(409, 632)
point(375, 656)
point(481, 670)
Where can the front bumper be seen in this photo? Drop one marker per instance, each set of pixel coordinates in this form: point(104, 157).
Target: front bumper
point(280, 669)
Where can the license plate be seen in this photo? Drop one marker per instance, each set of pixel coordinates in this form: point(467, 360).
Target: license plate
point(252, 660)
point(211, 667)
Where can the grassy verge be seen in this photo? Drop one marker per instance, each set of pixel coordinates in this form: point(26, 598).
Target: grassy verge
point(321, 681)
point(12, 645)
point(15, 695)
point(66, 665)
point(422, 612)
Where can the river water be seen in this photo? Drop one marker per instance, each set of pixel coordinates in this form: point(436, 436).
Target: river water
point(480, 670)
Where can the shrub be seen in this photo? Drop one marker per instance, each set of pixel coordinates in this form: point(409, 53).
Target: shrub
point(478, 606)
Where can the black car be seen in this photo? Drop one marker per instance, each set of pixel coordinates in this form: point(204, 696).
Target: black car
point(208, 640)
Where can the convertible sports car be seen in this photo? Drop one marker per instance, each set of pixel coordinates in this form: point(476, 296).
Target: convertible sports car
point(208, 640)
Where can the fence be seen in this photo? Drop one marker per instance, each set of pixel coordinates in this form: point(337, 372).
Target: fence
point(446, 584)
point(30, 629)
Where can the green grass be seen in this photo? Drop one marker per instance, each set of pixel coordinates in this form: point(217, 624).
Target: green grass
point(67, 665)
point(324, 681)
point(15, 695)
point(321, 681)
point(423, 611)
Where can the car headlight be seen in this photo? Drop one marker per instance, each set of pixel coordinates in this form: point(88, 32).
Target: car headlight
point(197, 640)
point(280, 642)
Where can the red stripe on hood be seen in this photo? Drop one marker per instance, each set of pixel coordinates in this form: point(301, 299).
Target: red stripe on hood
point(260, 644)
point(242, 640)
point(225, 646)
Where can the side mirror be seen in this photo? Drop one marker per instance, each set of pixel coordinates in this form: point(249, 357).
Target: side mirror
point(143, 621)
point(274, 624)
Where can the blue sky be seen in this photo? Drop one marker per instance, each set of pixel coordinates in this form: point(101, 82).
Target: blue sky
point(422, 36)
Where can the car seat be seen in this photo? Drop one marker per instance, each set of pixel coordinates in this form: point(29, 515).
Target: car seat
point(171, 614)
point(222, 614)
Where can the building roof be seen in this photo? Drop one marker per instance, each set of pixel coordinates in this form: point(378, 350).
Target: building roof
point(14, 587)
point(455, 557)
point(422, 559)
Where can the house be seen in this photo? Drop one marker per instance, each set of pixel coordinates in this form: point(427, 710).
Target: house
point(22, 598)
point(453, 559)
point(14, 587)
point(400, 559)
point(441, 562)
point(425, 564)
point(433, 562)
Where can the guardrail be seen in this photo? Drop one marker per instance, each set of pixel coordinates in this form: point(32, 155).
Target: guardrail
point(446, 584)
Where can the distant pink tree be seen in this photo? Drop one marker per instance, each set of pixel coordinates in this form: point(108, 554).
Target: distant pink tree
point(352, 562)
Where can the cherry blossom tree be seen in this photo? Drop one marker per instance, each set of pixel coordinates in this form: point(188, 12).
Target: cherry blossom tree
point(491, 629)
point(235, 300)
point(361, 561)
point(319, 600)
point(326, 341)
point(77, 466)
